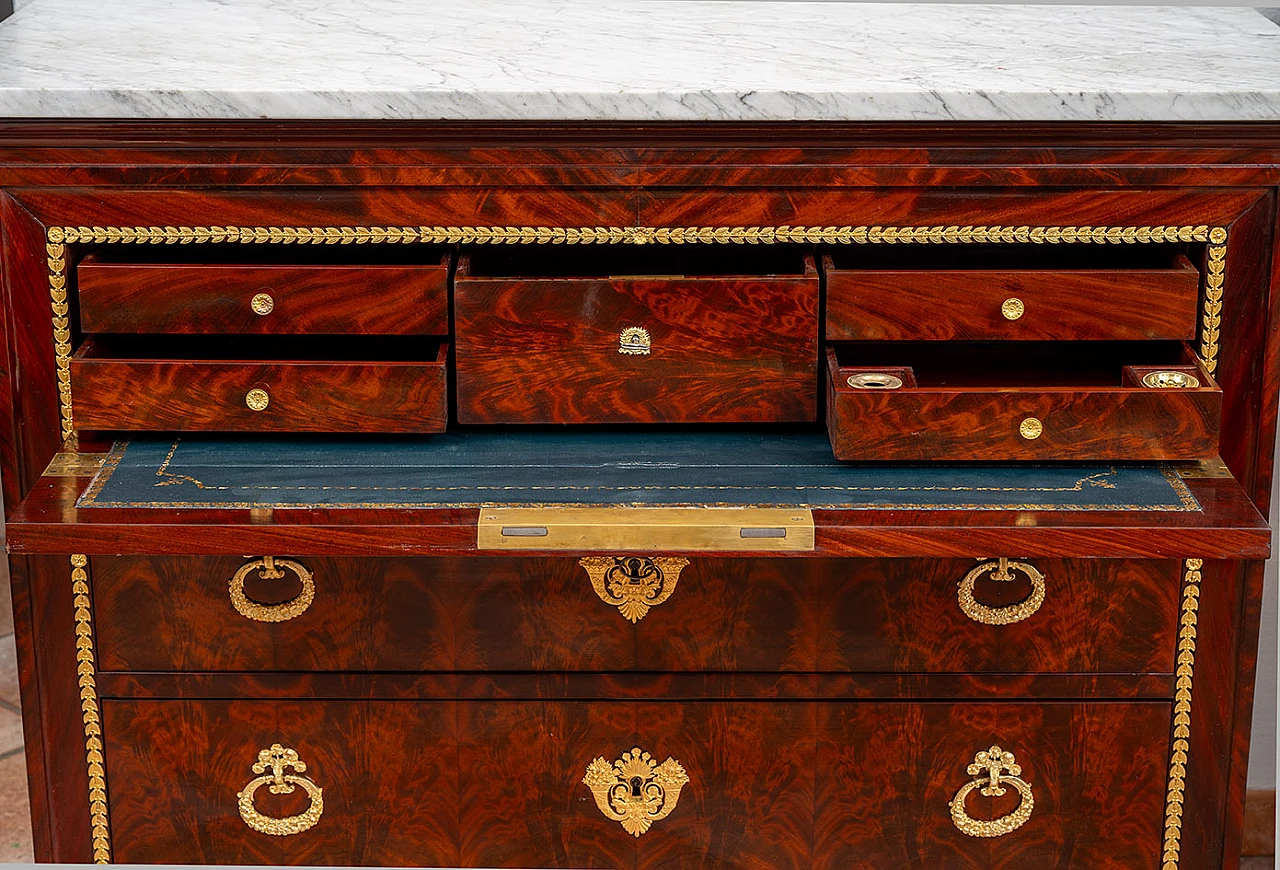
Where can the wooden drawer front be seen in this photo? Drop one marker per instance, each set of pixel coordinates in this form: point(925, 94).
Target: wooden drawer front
point(748, 801)
point(218, 396)
point(907, 615)
point(757, 784)
point(1076, 304)
point(723, 615)
point(387, 771)
point(887, 773)
point(713, 350)
point(1001, 421)
point(276, 299)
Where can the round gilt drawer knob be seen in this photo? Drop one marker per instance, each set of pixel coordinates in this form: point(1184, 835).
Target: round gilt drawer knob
point(262, 303)
point(271, 568)
point(257, 400)
point(1012, 308)
point(994, 769)
point(1031, 428)
point(278, 759)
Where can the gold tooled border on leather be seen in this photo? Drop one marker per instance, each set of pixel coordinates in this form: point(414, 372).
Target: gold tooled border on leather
point(112, 462)
point(86, 677)
point(59, 237)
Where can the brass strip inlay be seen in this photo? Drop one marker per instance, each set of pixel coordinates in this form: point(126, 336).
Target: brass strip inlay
point(74, 464)
point(1186, 666)
point(614, 529)
point(86, 671)
point(59, 237)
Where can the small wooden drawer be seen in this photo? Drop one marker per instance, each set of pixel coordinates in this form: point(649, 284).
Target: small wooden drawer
point(157, 389)
point(318, 298)
point(917, 401)
point(608, 336)
point(670, 614)
point(1035, 295)
point(889, 772)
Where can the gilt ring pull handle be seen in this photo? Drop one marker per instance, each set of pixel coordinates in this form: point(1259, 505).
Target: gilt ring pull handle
point(635, 790)
point(989, 767)
point(277, 759)
point(633, 584)
point(1002, 571)
point(269, 568)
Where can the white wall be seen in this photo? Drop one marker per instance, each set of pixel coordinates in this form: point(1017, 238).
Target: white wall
point(1262, 758)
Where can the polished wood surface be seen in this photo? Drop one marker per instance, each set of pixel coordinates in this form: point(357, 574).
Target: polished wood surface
point(1227, 526)
point(776, 785)
point(261, 174)
point(388, 773)
point(723, 350)
point(865, 304)
point(886, 773)
point(725, 615)
point(213, 395)
point(329, 299)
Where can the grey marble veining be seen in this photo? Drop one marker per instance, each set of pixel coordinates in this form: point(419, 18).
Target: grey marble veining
point(636, 60)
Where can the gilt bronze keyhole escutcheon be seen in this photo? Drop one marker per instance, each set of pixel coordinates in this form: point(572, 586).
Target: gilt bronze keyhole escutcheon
point(635, 790)
point(633, 584)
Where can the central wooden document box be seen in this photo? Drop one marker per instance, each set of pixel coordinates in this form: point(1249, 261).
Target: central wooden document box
point(645, 497)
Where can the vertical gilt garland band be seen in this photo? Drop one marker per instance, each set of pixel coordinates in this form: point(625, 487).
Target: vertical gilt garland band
point(1184, 673)
point(86, 677)
point(59, 237)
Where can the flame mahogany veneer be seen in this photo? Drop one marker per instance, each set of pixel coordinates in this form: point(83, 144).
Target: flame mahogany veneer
point(823, 705)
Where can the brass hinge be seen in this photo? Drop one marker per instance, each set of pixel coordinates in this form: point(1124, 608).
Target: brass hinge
point(1205, 468)
point(649, 529)
point(75, 464)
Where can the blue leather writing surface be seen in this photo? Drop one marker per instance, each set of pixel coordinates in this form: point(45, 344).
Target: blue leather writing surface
point(598, 468)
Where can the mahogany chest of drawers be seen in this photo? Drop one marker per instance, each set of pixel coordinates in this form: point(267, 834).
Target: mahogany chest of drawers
point(643, 496)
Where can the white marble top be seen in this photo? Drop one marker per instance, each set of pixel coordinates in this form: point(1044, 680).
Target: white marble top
point(635, 60)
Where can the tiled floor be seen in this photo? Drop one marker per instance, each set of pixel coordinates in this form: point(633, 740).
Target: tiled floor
point(15, 816)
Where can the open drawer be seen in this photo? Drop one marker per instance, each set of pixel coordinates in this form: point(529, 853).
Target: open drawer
point(259, 385)
point(917, 401)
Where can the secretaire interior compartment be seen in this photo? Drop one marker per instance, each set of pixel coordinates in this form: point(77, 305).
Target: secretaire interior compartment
point(275, 289)
point(1024, 292)
point(915, 401)
point(620, 334)
point(260, 384)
